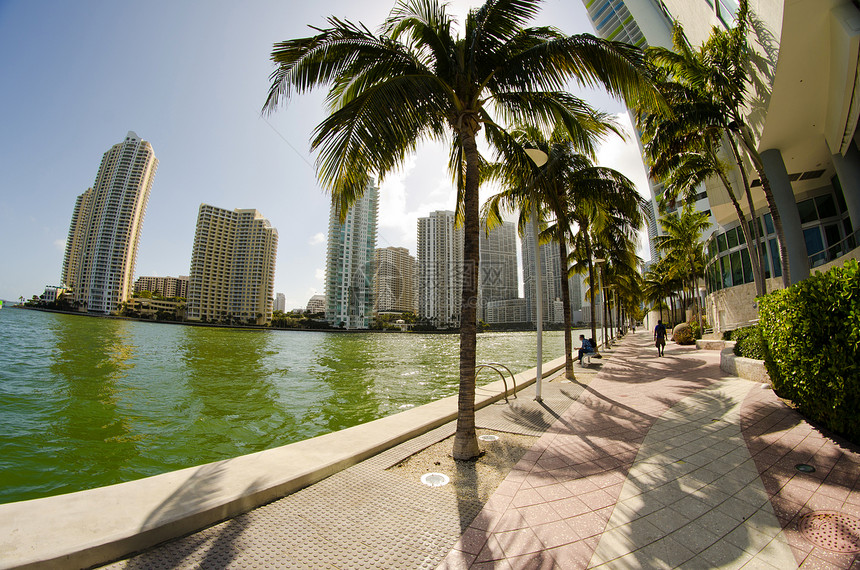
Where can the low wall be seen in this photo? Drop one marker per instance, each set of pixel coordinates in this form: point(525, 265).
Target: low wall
point(84, 529)
point(747, 368)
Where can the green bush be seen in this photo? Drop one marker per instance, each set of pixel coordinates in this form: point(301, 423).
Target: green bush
point(749, 342)
point(683, 334)
point(812, 346)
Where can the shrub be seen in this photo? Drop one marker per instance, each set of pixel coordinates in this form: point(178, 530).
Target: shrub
point(812, 346)
point(749, 342)
point(683, 334)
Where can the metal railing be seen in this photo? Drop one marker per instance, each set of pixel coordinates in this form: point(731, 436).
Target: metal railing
point(835, 251)
point(494, 366)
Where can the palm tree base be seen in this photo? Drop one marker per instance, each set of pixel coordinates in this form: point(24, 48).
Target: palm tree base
point(465, 447)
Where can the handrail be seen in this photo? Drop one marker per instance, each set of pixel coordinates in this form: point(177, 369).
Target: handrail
point(493, 365)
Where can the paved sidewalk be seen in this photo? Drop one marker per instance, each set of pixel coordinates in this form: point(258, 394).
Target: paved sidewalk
point(666, 463)
point(649, 463)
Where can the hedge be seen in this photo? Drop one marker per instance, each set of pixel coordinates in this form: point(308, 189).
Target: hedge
point(749, 342)
point(812, 346)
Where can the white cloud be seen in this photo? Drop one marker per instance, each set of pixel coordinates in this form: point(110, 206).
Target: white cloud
point(317, 239)
point(60, 244)
point(319, 274)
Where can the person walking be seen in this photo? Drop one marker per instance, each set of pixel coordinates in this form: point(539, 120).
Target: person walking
point(660, 337)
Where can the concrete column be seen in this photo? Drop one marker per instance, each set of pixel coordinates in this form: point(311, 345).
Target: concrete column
point(783, 195)
point(848, 171)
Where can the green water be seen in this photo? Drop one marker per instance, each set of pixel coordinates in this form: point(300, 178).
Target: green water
point(87, 402)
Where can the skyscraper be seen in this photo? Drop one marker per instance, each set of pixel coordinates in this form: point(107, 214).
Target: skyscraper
point(498, 275)
point(552, 274)
point(394, 284)
point(101, 249)
point(232, 267)
point(440, 269)
point(349, 262)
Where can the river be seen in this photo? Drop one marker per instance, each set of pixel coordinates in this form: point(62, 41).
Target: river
point(88, 402)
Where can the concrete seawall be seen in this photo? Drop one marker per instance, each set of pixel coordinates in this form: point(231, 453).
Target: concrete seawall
point(83, 529)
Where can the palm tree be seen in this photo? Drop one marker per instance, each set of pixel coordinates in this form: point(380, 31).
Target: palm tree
point(550, 194)
point(683, 152)
point(417, 79)
point(722, 70)
point(683, 248)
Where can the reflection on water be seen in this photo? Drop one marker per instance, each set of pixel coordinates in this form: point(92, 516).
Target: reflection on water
point(89, 402)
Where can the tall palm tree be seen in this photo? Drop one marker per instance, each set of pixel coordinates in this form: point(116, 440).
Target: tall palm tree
point(682, 151)
point(418, 79)
point(683, 248)
point(550, 194)
point(725, 69)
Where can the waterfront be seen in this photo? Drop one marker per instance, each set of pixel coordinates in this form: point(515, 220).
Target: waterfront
point(90, 402)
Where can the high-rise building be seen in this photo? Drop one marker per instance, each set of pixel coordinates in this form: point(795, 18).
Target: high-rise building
point(551, 276)
point(232, 267)
point(101, 249)
point(641, 23)
point(280, 303)
point(440, 269)
point(394, 284)
point(349, 262)
point(498, 274)
point(164, 286)
point(316, 304)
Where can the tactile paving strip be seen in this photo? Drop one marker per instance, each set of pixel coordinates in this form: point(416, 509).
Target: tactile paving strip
point(361, 517)
point(837, 532)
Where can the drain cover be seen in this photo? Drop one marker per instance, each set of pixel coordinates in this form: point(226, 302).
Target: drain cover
point(830, 530)
point(488, 437)
point(434, 479)
point(804, 468)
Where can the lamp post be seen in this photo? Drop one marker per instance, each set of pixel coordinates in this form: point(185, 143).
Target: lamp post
point(539, 157)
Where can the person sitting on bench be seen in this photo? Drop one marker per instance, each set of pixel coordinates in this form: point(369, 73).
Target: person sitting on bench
point(587, 347)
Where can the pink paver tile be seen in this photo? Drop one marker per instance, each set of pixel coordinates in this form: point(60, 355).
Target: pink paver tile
point(486, 519)
point(518, 542)
point(566, 473)
point(819, 502)
point(581, 486)
point(457, 560)
point(569, 507)
point(597, 499)
point(587, 525)
point(526, 497)
point(554, 492)
point(471, 541)
point(492, 550)
point(550, 462)
point(508, 488)
point(511, 520)
point(492, 565)
point(576, 554)
point(555, 534)
point(498, 503)
point(537, 561)
point(539, 514)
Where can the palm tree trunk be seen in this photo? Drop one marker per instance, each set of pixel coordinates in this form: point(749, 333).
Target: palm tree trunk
point(565, 303)
point(593, 289)
point(753, 239)
point(465, 438)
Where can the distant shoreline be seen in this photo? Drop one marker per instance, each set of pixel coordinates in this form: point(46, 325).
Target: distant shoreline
point(547, 328)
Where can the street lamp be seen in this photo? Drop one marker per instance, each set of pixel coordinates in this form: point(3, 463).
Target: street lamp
point(539, 157)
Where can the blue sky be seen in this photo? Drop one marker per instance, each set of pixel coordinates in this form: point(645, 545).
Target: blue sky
point(190, 77)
